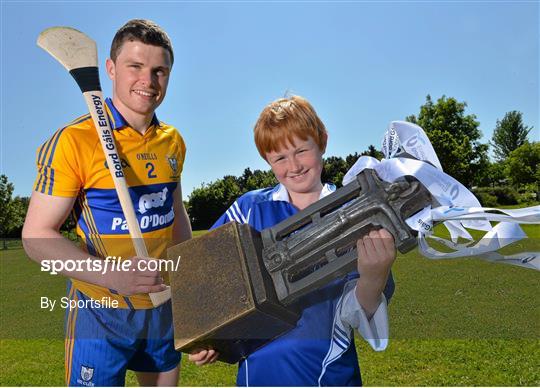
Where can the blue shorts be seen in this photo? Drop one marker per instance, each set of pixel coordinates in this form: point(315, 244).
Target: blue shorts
point(102, 343)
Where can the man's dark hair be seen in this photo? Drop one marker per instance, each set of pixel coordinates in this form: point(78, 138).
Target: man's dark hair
point(141, 30)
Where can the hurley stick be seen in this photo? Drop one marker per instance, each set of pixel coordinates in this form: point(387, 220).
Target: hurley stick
point(78, 54)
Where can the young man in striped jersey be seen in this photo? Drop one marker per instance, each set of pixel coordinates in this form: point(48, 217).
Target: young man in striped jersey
point(320, 350)
point(103, 342)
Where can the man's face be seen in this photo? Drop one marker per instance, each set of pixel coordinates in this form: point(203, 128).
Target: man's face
point(140, 76)
point(298, 166)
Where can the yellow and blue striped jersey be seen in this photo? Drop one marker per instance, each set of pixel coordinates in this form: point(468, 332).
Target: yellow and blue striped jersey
point(72, 164)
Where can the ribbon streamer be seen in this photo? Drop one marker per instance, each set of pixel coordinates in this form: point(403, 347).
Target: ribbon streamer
point(408, 151)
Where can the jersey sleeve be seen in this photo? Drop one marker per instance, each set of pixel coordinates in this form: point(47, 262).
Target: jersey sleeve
point(57, 167)
point(224, 219)
point(233, 213)
point(352, 316)
point(180, 151)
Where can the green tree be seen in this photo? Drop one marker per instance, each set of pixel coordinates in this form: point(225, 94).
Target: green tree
point(209, 201)
point(252, 180)
point(496, 173)
point(6, 191)
point(12, 210)
point(455, 137)
point(510, 133)
point(373, 152)
point(19, 210)
point(334, 168)
point(352, 158)
point(523, 164)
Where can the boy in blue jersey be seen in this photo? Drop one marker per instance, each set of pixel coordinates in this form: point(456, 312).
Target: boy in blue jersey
point(320, 349)
point(103, 342)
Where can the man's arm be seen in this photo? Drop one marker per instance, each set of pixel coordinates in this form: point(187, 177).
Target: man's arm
point(42, 240)
point(181, 226)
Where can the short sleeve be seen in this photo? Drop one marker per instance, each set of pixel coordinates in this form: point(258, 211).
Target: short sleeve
point(224, 219)
point(180, 152)
point(57, 167)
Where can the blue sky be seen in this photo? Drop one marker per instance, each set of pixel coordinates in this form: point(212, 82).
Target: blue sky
point(362, 64)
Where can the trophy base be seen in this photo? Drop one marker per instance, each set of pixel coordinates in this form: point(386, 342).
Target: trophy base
point(222, 295)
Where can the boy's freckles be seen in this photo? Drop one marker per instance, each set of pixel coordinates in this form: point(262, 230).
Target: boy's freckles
point(298, 166)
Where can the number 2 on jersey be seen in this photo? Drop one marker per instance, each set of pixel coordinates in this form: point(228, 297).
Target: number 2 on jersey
point(150, 167)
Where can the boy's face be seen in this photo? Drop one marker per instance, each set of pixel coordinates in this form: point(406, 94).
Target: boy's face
point(140, 76)
point(298, 166)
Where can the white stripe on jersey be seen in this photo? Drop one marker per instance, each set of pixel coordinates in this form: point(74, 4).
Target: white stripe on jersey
point(233, 213)
point(340, 341)
point(235, 205)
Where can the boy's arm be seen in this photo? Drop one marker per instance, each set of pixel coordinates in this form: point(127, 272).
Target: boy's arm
point(42, 240)
point(376, 254)
point(364, 304)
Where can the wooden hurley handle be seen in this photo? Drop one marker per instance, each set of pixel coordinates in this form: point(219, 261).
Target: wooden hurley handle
point(94, 101)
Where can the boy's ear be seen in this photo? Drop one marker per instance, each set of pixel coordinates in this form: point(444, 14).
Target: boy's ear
point(325, 142)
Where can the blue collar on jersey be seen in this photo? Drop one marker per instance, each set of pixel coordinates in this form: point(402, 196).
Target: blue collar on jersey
point(279, 193)
point(118, 121)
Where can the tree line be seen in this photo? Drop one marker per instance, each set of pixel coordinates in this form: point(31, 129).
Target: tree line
point(12, 211)
point(510, 177)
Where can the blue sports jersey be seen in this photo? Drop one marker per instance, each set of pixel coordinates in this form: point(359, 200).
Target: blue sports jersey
point(317, 351)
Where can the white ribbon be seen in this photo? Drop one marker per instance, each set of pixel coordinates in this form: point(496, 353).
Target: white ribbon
point(408, 139)
point(409, 152)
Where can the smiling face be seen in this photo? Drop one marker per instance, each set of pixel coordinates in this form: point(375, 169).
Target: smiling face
point(140, 75)
point(298, 167)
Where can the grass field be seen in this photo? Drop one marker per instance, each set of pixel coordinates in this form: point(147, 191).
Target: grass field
point(456, 322)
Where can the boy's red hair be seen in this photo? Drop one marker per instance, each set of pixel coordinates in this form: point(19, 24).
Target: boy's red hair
point(284, 119)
